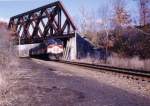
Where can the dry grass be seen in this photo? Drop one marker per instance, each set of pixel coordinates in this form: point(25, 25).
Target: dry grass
point(8, 64)
point(133, 63)
point(115, 60)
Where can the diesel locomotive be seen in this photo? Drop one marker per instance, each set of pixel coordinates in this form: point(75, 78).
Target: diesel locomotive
point(52, 48)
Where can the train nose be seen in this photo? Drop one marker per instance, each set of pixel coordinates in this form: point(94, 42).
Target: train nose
point(55, 49)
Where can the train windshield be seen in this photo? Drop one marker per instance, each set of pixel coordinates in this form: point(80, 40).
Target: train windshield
point(55, 41)
point(59, 42)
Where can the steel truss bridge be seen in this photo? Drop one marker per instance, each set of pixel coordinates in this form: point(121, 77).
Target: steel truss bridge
point(49, 21)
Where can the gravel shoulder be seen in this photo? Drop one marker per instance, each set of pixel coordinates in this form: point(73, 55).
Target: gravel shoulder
point(45, 83)
point(122, 90)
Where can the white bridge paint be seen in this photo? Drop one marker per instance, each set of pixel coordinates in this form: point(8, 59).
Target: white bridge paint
point(78, 47)
point(70, 52)
point(23, 50)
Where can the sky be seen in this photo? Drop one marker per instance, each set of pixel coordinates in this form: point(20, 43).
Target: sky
point(9, 8)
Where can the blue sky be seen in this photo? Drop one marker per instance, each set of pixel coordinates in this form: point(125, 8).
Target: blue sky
point(10, 8)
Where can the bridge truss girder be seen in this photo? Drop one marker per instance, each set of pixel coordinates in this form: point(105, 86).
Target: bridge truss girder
point(49, 21)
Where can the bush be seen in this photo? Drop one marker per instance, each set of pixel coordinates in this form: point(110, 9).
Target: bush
point(131, 44)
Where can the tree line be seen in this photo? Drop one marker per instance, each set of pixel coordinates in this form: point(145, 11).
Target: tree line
point(117, 29)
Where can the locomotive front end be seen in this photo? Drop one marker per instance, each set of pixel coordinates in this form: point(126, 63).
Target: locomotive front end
point(55, 49)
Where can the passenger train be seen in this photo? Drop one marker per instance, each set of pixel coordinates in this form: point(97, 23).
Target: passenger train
point(53, 48)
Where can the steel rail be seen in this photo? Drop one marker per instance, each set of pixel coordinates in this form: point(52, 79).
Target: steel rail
point(140, 73)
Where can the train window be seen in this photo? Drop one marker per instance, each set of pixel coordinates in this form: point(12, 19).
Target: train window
point(51, 41)
point(54, 41)
point(58, 41)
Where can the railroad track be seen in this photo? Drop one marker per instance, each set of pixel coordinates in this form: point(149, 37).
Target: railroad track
point(133, 72)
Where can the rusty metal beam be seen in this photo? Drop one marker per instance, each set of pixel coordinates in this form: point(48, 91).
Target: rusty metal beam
point(36, 10)
point(67, 15)
point(52, 28)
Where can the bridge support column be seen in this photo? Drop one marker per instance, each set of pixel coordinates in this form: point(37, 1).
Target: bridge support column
point(70, 52)
point(23, 50)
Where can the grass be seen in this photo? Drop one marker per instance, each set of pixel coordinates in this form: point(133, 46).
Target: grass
point(133, 63)
point(8, 65)
point(123, 62)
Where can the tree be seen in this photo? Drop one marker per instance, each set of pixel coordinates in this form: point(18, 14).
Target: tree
point(103, 35)
point(121, 16)
point(144, 10)
point(88, 24)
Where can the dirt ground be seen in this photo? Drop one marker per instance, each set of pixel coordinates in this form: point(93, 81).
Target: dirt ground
point(32, 82)
point(45, 83)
